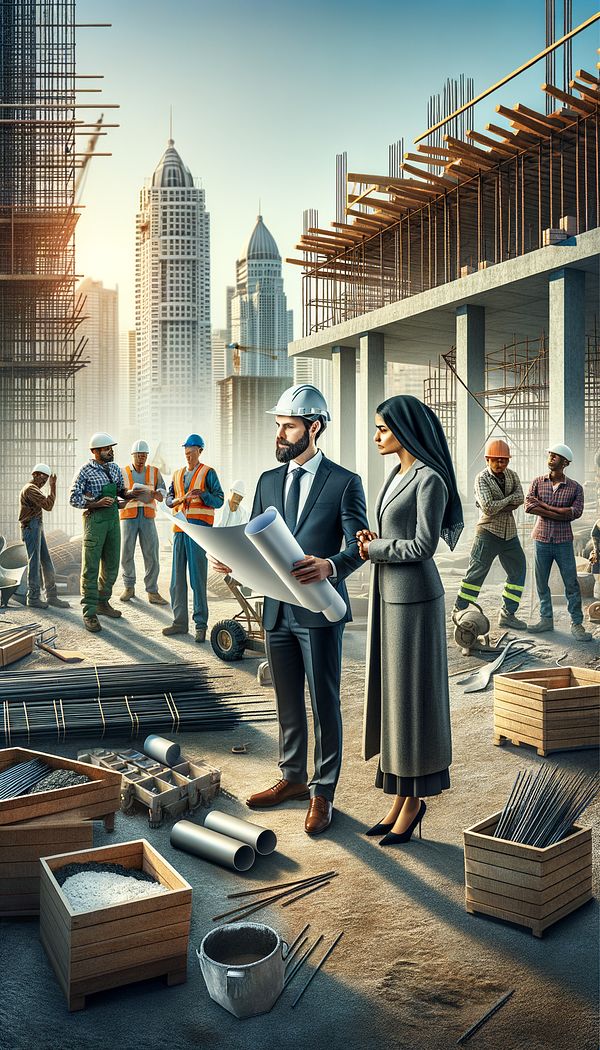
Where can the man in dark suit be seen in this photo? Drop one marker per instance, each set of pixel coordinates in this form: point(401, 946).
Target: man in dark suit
point(323, 505)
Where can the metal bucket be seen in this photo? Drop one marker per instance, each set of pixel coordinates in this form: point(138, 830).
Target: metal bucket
point(243, 966)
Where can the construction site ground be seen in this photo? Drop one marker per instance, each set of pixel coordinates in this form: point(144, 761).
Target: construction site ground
point(413, 969)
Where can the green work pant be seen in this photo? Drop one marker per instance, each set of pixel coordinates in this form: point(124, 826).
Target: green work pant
point(101, 555)
point(486, 548)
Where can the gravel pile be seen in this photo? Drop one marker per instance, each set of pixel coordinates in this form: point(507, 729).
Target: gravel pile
point(58, 778)
point(89, 886)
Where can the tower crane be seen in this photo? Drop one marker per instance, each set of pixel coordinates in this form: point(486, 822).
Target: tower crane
point(238, 349)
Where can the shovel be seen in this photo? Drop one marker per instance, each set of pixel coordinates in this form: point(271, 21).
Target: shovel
point(478, 681)
point(68, 656)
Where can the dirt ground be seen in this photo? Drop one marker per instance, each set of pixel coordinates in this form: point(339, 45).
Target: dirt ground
point(413, 969)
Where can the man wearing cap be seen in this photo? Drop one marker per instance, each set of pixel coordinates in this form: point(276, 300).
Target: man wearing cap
point(498, 493)
point(138, 522)
point(323, 505)
point(196, 492)
point(233, 513)
point(556, 501)
point(39, 562)
point(98, 489)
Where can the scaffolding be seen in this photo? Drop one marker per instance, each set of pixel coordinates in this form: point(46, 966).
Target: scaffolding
point(40, 351)
point(516, 399)
point(493, 198)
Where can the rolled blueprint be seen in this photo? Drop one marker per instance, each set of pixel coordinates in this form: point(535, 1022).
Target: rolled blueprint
point(271, 536)
point(262, 840)
point(261, 555)
point(162, 750)
point(209, 845)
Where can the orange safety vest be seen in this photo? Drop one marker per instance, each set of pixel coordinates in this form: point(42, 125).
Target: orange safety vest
point(130, 511)
point(194, 509)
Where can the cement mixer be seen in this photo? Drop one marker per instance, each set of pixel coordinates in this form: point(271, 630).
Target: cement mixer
point(471, 628)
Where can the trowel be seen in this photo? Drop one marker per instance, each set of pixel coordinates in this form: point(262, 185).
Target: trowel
point(480, 679)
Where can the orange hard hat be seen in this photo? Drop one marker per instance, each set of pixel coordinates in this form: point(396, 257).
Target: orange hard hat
point(497, 448)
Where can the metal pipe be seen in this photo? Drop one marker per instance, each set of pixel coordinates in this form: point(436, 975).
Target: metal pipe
point(163, 750)
point(220, 849)
point(262, 840)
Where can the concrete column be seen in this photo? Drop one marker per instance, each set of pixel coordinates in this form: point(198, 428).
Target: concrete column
point(567, 364)
point(470, 419)
point(343, 405)
point(371, 394)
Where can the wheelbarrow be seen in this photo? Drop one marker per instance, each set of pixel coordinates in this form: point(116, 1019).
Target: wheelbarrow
point(231, 638)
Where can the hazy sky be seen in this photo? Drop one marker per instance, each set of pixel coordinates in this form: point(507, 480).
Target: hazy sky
point(266, 92)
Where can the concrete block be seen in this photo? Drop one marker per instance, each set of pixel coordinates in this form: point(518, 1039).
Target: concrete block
point(568, 223)
point(553, 236)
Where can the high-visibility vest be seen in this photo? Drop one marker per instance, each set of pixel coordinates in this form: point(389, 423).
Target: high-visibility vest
point(130, 511)
point(194, 509)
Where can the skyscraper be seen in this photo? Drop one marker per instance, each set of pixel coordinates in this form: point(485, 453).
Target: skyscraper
point(173, 306)
point(259, 314)
point(128, 425)
point(97, 387)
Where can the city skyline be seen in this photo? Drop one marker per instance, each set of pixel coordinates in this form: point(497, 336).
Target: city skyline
point(246, 141)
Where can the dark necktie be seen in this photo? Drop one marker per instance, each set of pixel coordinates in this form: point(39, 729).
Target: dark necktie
point(292, 502)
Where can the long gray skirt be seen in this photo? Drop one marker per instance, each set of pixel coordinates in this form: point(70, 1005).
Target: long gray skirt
point(416, 744)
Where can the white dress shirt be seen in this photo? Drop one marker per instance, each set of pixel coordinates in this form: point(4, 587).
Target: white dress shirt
point(310, 468)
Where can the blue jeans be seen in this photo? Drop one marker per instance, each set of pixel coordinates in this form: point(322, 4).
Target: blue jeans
point(39, 562)
point(145, 528)
point(564, 556)
point(188, 557)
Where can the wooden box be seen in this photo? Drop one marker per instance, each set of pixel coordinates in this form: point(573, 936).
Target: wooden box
point(525, 884)
point(11, 651)
point(21, 846)
point(112, 946)
point(551, 708)
point(100, 798)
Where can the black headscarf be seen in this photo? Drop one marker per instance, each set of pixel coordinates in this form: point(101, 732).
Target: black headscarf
point(419, 430)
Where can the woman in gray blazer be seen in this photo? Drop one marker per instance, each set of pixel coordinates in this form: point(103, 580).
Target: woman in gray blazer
point(407, 711)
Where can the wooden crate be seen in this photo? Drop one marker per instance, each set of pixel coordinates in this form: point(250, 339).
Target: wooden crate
point(525, 884)
point(112, 946)
point(99, 798)
point(21, 846)
point(551, 708)
point(12, 651)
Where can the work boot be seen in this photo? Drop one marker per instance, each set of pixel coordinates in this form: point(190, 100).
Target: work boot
point(545, 623)
point(200, 634)
point(127, 595)
point(175, 628)
point(92, 623)
point(156, 599)
point(37, 603)
point(507, 619)
point(578, 631)
point(57, 603)
point(106, 609)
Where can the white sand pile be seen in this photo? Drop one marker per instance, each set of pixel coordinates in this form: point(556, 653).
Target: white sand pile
point(103, 889)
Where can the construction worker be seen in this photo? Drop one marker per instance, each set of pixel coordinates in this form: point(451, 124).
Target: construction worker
point(498, 493)
point(96, 490)
point(39, 562)
point(138, 520)
point(556, 501)
point(233, 513)
point(195, 490)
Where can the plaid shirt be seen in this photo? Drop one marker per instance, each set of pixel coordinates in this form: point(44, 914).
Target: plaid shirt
point(88, 483)
point(569, 493)
point(496, 506)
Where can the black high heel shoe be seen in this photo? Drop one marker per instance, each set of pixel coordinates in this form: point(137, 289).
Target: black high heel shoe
point(395, 840)
point(379, 829)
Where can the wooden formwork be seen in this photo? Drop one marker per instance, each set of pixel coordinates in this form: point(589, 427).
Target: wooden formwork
point(99, 798)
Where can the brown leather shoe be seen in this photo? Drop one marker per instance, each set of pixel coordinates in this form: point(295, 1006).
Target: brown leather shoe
point(282, 791)
point(319, 815)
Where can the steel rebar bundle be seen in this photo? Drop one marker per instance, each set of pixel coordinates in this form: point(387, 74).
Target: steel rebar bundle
point(543, 807)
point(104, 681)
point(18, 779)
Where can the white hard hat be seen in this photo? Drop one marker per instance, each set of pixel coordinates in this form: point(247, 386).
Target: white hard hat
point(42, 468)
point(302, 400)
point(561, 450)
point(102, 440)
point(239, 487)
point(140, 446)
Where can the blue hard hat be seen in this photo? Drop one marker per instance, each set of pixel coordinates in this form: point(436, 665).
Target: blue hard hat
point(194, 439)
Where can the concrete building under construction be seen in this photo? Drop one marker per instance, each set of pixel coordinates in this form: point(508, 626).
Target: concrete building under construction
point(480, 258)
point(40, 160)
